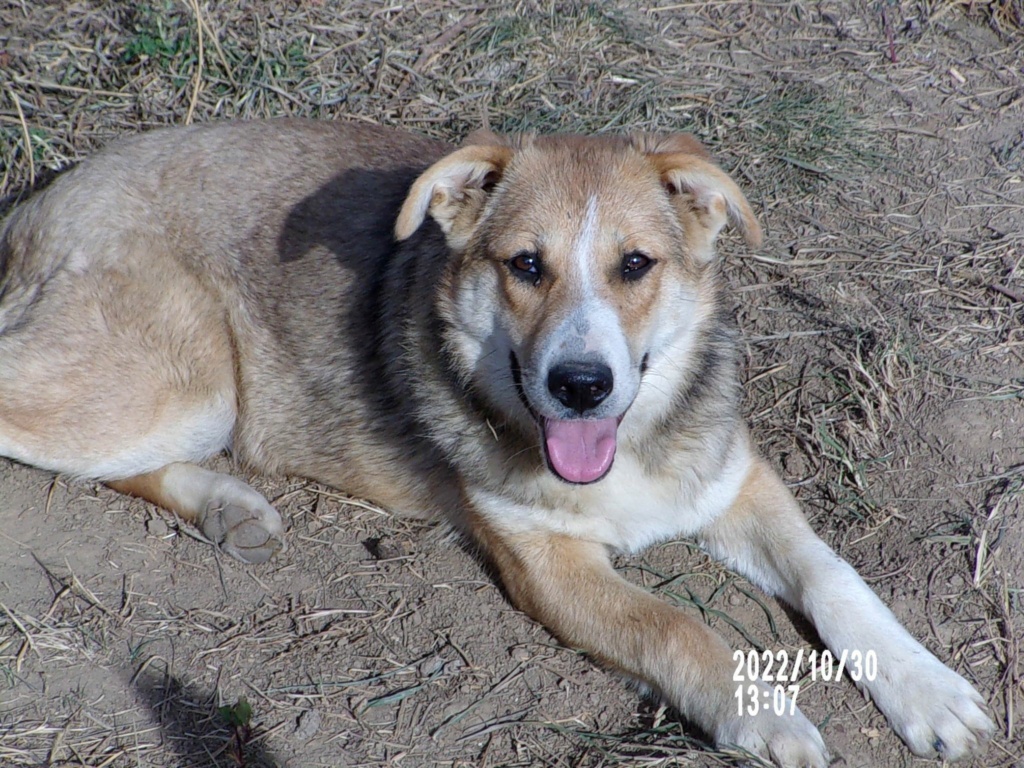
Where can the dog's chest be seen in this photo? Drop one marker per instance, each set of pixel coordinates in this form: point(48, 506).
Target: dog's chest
point(628, 509)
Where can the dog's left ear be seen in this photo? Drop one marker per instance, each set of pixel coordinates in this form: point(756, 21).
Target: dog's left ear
point(453, 191)
point(701, 186)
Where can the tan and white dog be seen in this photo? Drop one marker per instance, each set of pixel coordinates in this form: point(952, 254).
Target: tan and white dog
point(526, 336)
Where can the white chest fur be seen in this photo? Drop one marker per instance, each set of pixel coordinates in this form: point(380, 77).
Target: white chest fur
point(627, 510)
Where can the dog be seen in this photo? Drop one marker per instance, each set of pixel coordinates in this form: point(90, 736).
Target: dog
point(528, 336)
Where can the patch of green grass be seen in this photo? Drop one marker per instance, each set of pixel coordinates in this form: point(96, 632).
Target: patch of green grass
point(507, 31)
point(291, 61)
point(13, 139)
point(805, 133)
point(40, 141)
point(238, 717)
point(849, 488)
point(159, 35)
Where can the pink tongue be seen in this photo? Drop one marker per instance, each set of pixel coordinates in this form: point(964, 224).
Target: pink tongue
point(580, 451)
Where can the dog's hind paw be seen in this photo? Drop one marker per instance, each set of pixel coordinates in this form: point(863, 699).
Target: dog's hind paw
point(936, 712)
point(788, 740)
point(245, 527)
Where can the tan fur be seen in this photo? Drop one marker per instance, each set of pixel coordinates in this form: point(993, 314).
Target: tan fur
point(151, 486)
point(161, 332)
point(351, 304)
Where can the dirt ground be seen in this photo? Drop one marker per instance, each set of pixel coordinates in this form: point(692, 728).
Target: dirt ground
point(882, 144)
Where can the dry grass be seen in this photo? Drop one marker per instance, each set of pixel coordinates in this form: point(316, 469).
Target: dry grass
point(881, 143)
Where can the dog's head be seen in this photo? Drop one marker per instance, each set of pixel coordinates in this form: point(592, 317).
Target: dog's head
point(579, 277)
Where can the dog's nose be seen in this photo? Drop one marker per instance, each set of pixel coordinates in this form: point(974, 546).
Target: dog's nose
point(580, 386)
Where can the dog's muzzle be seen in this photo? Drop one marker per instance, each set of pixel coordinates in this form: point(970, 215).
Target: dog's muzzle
point(578, 450)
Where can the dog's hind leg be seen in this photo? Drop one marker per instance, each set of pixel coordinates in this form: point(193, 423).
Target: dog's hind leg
point(228, 511)
point(127, 375)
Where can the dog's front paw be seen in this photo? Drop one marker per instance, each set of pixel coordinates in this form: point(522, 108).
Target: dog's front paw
point(243, 524)
point(934, 710)
point(789, 740)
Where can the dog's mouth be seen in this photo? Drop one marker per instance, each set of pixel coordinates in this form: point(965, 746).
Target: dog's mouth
point(578, 451)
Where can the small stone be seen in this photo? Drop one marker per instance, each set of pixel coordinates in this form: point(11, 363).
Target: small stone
point(432, 666)
point(156, 527)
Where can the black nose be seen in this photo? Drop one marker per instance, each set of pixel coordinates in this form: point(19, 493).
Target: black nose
point(580, 386)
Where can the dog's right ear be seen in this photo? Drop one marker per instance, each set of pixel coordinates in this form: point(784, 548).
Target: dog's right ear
point(704, 189)
point(453, 191)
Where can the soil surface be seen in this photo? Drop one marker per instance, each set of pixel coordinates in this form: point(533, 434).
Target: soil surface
point(882, 145)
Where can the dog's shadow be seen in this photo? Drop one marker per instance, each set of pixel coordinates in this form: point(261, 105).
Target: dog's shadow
point(194, 731)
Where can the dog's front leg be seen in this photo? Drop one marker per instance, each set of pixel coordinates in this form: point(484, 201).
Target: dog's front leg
point(765, 537)
point(569, 585)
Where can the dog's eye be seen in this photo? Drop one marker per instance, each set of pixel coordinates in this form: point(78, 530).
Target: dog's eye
point(526, 266)
point(635, 265)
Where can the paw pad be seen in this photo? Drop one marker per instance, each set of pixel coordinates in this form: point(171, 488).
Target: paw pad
point(249, 535)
